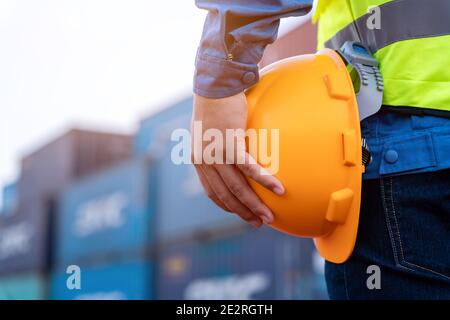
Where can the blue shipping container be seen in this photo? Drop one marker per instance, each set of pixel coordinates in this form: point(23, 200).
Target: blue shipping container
point(130, 280)
point(182, 206)
point(106, 215)
point(10, 198)
point(258, 264)
point(24, 239)
point(154, 131)
point(24, 287)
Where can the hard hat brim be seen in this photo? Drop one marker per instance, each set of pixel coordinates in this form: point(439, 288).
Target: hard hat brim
point(338, 245)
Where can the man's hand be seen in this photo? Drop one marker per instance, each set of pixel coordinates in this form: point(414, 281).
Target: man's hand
point(224, 183)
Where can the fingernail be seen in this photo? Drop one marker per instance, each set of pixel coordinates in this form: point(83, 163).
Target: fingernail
point(278, 190)
point(265, 215)
point(267, 219)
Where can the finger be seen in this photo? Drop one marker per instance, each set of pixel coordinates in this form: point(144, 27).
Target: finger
point(239, 187)
point(252, 169)
point(227, 198)
point(209, 192)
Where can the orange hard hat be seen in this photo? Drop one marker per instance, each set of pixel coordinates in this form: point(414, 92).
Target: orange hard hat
point(311, 101)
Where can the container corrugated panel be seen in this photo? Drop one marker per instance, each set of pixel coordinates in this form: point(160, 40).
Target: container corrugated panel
point(131, 280)
point(257, 264)
point(106, 215)
point(45, 172)
point(24, 240)
point(154, 132)
point(10, 198)
point(24, 287)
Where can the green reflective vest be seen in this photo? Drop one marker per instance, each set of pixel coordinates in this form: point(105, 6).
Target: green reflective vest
point(414, 56)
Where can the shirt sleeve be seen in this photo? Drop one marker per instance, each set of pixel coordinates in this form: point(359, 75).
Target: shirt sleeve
point(234, 36)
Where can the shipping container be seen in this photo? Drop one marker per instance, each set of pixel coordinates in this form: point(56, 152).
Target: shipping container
point(106, 215)
point(10, 198)
point(255, 264)
point(25, 240)
point(154, 132)
point(24, 287)
point(131, 280)
point(48, 170)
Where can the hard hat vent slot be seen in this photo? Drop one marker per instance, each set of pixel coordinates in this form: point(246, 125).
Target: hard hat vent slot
point(350, 147)
point(339, 205)
point(337, 86)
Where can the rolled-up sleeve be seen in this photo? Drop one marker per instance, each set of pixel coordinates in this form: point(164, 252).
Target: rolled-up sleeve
point(233, 41)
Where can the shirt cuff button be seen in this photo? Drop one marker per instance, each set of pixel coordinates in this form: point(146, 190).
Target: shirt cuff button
point(248, 77)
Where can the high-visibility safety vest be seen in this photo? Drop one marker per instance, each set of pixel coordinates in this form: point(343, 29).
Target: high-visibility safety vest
point(409, 38)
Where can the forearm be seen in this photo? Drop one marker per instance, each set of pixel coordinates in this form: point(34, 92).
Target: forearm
point(233, 41)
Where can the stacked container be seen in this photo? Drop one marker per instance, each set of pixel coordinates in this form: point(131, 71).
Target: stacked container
point(106, 215)
point(105, 227)
point(48, 170)
point(26, 232)
point(123, 280)
point(141, 227)
point(251, 264)
point(23, 240)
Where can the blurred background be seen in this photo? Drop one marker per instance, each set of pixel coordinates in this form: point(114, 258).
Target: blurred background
point(90, 91)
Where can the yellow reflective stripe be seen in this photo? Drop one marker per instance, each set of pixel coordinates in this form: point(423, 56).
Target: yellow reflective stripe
point(400, 20)
point(415, 73)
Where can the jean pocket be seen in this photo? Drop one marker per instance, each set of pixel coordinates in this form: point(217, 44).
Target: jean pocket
point(417, 209)
point(411, 153)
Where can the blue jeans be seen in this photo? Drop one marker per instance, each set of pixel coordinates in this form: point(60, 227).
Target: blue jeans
point(404, 229)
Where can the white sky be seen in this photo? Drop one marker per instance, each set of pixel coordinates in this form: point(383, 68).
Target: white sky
point(99, 64)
